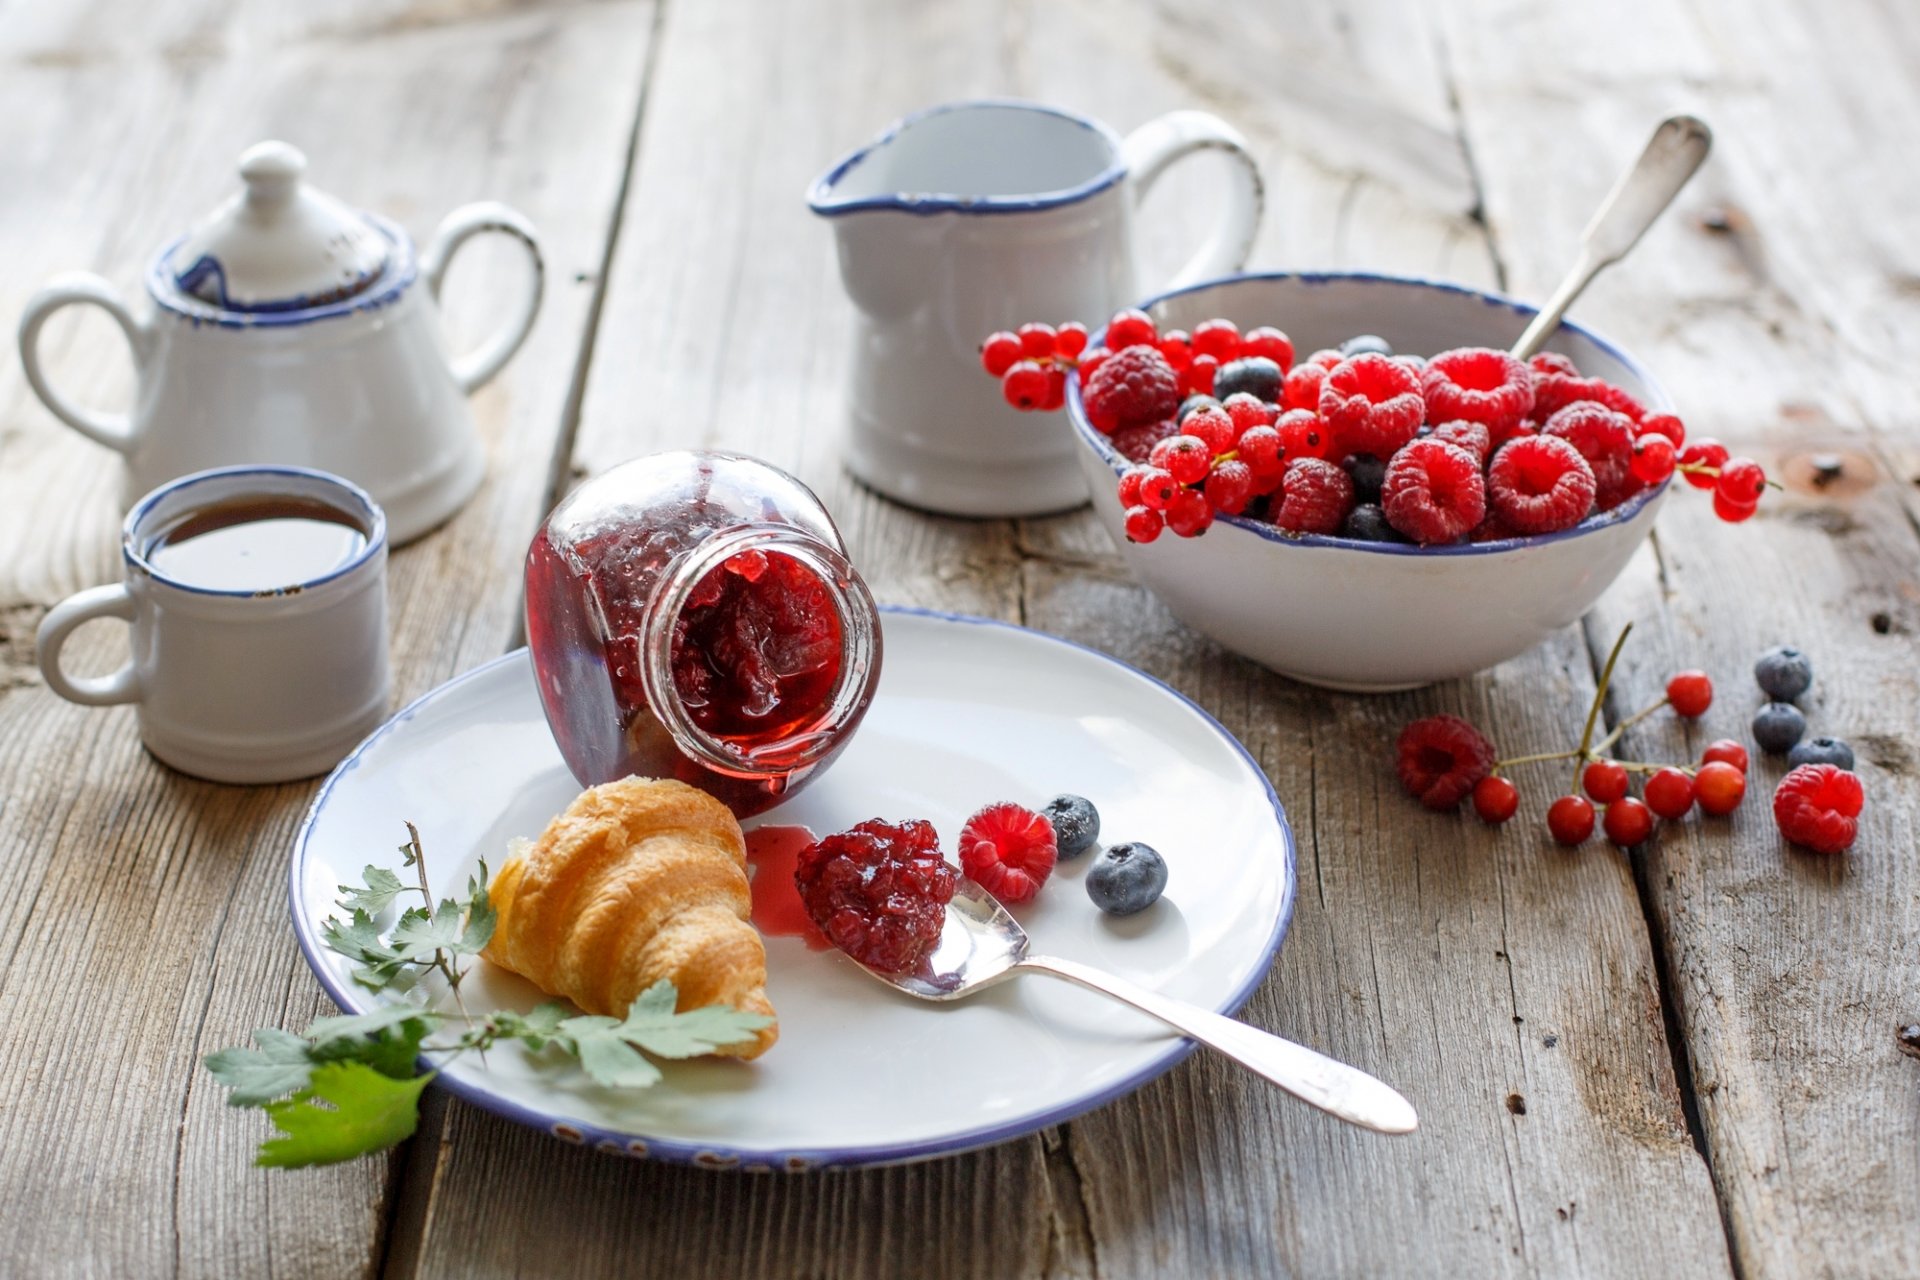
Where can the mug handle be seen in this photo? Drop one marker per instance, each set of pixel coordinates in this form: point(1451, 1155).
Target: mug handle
point(114, 430)
point(110, 601)
point(475, 369)
point(1155, 145)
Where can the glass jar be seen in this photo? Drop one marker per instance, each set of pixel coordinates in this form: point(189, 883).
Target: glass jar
point(693, 615)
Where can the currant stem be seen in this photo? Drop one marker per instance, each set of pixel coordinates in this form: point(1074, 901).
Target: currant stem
point(1498, 765)
point(1628, 723)
point(1585, 752)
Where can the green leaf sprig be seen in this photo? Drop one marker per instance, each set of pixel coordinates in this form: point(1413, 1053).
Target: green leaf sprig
point(351, 1085)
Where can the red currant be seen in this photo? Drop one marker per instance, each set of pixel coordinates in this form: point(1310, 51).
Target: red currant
point(1653, 459)
point(1248, 412)
point(1326, 357)
point(1604, 780)
point(1212, 427)
point(1157, 487)
point(999, 351)
point(1177, 347)
point(1091, 361)
point(1495, 799)
point(1056, 389)
point(1260, 449)
point(1188, 514)
point(1230, 487)
point(1269, 342)
point(1303, 435)
point(1186, 457)
point(1036, 340)
point(1628, 822)
point(1570, 819)
point(1130, 485)
point(1718, 787)
point(1197, 378)
point(1727, 751)
point(1070, 339)
point(1730, 511)
point(1663, 424)
point(1144, 524)
point(1129, 327)
point(1025, 385)
point(1704, 452)
point(1670, 793)
point(1217, 338)
point(1691, 693)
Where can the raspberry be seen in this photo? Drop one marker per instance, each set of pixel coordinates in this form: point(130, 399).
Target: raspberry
point(1570, 819)
point(1271, 343)
point(1314, 497)
point(1551, 362)
point(1189, 514)
point(1628, 822)
point(1328, 357)
point(999, 351)
point(1539, 484)
point(1132, 387)
point(1653, 459)
point(1177, 347)
point(1471, 436)
point(1303, 435)
point(1605, 781)
point(1662, 424)
point(1670, 794)
point(1301, 389)
point(1691, 693)
point(1718, 788)
point(1143, 524)
point(1025, 385)
point(1070, 339)
point(879, 891)
point(1187, 457)
point(1480, 385)
point(1494, 528)
point(1495, 799)
point(1197, 378)
point(1008, 851)
point(1553, 392)
point(1371, 404)
point(1725, 750)
point(1605, 439)
point(1135, 443)
point(1128, 328)
point(1217, 338)
point(1433, 492)
point(1230, 487)
point(1214, 428)
point(1704, 452)
point(1037, 341)
point(1440, 759)
point(1817, 805)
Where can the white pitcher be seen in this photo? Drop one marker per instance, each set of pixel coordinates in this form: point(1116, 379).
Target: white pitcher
point(289, 328)
point(977, 216)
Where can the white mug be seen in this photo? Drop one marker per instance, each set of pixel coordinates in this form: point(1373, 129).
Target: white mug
point(978, 216)
point(241, 685)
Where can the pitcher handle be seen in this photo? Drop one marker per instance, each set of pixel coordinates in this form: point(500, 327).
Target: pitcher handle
point(114, 430)
point(1154, 146)
point(475, 369)
point(111, 601)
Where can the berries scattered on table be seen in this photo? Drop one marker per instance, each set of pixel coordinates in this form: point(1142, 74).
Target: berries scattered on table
point(1777, 726)
point(1440, 759)
point(1669, 793)
point(1495, 799)
point(1718, 788)
point(1628, 822)
point(878, 891)
point(1008, 850)
point(1818, 805)
point(1570, 819)
point(1604, 781)
point(1691, 693)
point(1127, 878)
point(1727, 751)
point(1783, 673)
point(1076, 824)
point(1821, 751)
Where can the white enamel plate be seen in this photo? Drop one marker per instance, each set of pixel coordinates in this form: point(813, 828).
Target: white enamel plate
point(968, 712)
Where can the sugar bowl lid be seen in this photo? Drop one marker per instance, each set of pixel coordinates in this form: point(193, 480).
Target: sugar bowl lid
point(277, 245)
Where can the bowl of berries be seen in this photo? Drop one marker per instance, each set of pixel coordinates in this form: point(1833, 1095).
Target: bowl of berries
point(1404, 503)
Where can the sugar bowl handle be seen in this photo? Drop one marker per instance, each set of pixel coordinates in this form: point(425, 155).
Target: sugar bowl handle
point(114, 430)
point(1155, 145)
point(473, 370)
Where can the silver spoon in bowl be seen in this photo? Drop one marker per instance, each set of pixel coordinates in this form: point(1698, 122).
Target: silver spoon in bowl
point(1678, 147)
point(981, 946)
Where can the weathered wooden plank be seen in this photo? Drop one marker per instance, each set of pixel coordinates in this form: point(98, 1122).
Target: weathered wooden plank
point(1470, 968)
point(145, 923)
point(1772, 308)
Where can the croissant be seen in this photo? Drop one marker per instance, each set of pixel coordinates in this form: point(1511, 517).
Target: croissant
point(638, 880)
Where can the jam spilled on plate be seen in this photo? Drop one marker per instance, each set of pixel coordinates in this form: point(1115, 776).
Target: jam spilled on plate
point(772, 855)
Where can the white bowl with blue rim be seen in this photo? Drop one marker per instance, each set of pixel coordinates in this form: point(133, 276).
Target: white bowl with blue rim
point(1362, 616)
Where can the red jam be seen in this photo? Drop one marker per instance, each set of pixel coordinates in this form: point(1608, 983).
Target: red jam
point(764, 659)
point(773, 853)
point(879, 891)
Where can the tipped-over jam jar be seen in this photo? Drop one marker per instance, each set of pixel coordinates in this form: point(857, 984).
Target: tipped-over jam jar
point(693, 615)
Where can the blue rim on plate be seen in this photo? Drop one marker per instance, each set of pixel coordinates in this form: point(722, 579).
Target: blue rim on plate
point(1658, 400)
point(759, 1159)
point(821, 200)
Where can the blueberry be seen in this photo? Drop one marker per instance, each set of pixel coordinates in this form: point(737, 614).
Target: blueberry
point(1364, 344)
point(1127, 878)
point(1191, 403)
point(1255, 375)
point(1368, 523)
point(1777, 726)
point(1784, 672)
point(1368, 473)
point(1076, 824)
point(1821, 751)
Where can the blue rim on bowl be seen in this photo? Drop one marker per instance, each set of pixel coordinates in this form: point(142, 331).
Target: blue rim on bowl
point(1119, 462)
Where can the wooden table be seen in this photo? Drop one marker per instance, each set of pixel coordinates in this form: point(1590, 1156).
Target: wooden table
point(1684, 1061)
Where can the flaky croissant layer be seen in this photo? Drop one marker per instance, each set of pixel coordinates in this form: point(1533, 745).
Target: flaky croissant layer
point(636, 881)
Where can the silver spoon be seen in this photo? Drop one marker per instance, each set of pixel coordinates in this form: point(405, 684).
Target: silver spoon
point(1677, 148)
point(982, 945)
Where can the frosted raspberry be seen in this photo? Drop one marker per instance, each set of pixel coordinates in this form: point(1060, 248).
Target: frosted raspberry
point(1434, 492)
point(1605, 439)
point(1555, 391)
point(1135, 443)
point(1440, 758)
point(1132, 387)
point(1540, 484)
point(1481, 385)
point(1471, 436)
point(1372, 404)
point(1315, 496)
point(1818, 805)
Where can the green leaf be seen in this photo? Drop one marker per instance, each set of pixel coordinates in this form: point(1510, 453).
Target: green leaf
point(388, 1039)
point(359, 939)
point(368, 1112)
point(606, 1058)
point(280, 1066)
point(419, 936)
point(534, 1029)
point(481, 917)
point(651, 1024)
point(376, 895)
point(365, 1024)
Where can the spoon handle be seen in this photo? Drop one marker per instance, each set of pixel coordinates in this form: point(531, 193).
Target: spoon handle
point(1334, 1087)
point(1678, 147)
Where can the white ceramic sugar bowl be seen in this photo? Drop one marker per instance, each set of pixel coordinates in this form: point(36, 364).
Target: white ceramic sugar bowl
point(290, 328)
